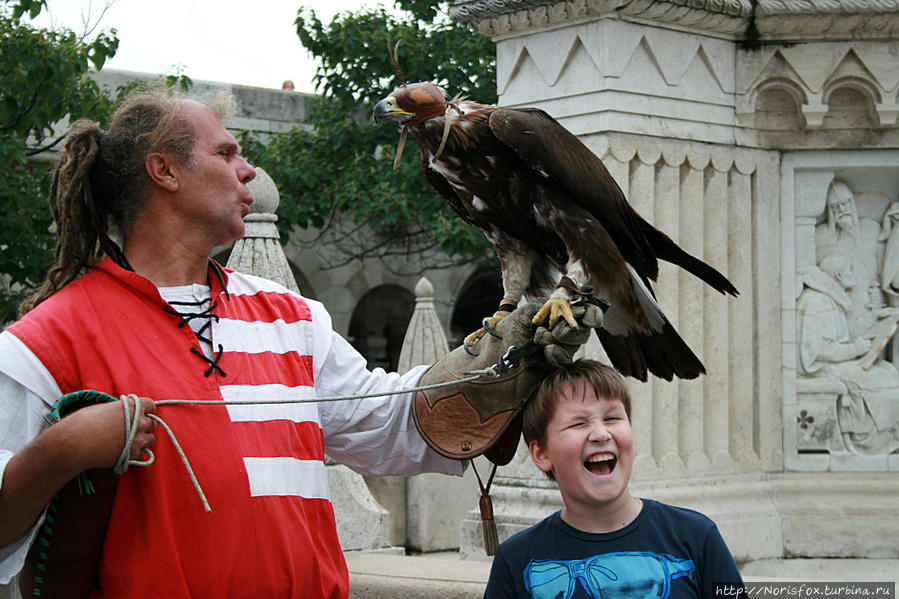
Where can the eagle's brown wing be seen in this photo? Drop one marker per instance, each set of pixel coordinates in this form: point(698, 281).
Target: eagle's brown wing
point(554, 153)
point(547, 147)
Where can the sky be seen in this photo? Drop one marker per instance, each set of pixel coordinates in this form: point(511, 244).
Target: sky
point(247, 42)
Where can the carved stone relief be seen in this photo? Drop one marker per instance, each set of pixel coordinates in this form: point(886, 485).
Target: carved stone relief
point(842, 404)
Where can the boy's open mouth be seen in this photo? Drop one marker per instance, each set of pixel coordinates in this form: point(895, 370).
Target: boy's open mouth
point(601, 463)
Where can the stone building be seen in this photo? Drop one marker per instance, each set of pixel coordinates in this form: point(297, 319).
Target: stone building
point(762, 136)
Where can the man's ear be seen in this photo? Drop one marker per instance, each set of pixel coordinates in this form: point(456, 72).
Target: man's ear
point(159, 169)
point(539, 456)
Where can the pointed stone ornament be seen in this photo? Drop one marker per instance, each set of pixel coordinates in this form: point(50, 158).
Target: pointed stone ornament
point(425, 341)
point(259, 252)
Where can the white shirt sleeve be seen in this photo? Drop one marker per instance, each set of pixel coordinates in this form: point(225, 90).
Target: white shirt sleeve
point(27, 392)
point(374, 436)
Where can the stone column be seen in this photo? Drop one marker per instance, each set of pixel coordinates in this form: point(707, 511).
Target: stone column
point(650, 88)
point(435, 503)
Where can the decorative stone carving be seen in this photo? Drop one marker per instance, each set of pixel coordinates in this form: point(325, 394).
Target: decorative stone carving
point(830, 94)
point(499, 17)
point(425, 341)
point(761, 20)
point(774, 74)
point(842, 407)
point(844, 326)
point(698, 109)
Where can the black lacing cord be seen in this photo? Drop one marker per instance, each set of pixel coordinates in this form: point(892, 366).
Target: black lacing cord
point(186, 317)
point(213, 363)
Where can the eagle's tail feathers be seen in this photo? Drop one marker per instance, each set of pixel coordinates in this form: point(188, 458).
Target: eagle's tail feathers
point(662, 353)
point(636, 349)
point(665, 249)
point(646, 300)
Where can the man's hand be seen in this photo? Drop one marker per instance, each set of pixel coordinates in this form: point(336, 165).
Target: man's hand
point(92, 437)
point(100, 430)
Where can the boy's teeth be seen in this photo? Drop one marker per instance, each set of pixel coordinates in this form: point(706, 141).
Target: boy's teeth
point(601, 458)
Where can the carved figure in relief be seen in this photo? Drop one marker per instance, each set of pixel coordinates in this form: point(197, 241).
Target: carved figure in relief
point(843, 231)
point(868, 412)
point(824, 307)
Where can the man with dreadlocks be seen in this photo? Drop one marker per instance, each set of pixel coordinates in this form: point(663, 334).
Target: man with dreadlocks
point(155, 320)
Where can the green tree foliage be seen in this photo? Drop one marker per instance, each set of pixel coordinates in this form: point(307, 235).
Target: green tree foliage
point(342, 165)
point(42, 80)
point(44, 87)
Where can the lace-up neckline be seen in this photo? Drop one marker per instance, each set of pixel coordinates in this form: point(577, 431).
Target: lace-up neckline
point(196, 310)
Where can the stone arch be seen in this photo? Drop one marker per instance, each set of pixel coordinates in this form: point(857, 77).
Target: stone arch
point(479, 297)
point(863, 86)
point(778, 104)
point(378, 325)
point(851, 103)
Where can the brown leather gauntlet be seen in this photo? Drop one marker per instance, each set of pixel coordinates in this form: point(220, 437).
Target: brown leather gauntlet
point(468, 419)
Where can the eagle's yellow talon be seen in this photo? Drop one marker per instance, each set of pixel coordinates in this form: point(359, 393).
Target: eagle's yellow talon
point(470, 340)
point(488, 326)
point(490, 322)
point(552, 310)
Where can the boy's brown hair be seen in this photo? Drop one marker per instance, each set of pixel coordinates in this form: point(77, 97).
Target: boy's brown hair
point(605, 381)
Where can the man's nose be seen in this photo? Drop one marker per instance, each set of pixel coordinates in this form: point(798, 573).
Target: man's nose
point(245, 171)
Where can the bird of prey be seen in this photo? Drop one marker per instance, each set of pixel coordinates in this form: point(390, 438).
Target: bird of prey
point(556, 219)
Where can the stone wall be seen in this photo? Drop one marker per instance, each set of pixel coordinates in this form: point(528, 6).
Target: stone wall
point(726, 124)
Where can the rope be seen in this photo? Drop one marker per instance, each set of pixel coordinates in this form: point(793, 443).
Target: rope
point(131, 408)
point(190, 471)
point(219, 402)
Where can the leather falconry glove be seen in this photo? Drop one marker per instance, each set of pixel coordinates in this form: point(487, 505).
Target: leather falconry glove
point(483, 416)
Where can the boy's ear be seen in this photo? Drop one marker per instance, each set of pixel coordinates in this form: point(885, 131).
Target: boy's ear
point(539, 456)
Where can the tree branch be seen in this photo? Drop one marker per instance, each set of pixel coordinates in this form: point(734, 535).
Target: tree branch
point(21, 115)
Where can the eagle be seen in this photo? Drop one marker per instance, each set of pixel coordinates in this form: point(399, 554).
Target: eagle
point(560, 225)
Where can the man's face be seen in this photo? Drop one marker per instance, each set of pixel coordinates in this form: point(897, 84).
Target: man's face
point(846, 275)
point(589, 446)
point(213, 196)
point(841, 208)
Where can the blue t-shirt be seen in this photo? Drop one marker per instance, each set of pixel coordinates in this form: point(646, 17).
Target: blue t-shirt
point(666, 552)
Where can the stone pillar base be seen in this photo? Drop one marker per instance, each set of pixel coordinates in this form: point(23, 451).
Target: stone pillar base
point(794, 515)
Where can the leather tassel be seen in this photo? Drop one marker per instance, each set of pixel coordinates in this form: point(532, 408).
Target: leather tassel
point(488, 525)
point(448, 117)
point(399, 148)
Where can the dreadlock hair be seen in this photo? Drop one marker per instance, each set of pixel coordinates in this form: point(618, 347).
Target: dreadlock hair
point(101, 179)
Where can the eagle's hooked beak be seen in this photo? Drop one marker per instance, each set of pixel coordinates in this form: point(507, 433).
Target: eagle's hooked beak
point(389, 109)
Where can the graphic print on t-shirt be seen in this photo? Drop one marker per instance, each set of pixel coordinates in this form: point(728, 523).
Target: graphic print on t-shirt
point(623, 574)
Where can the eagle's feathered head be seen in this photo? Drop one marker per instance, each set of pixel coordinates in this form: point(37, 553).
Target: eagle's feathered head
point(411, 104)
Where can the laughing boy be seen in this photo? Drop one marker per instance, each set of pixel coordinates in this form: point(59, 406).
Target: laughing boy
point(604, 542)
